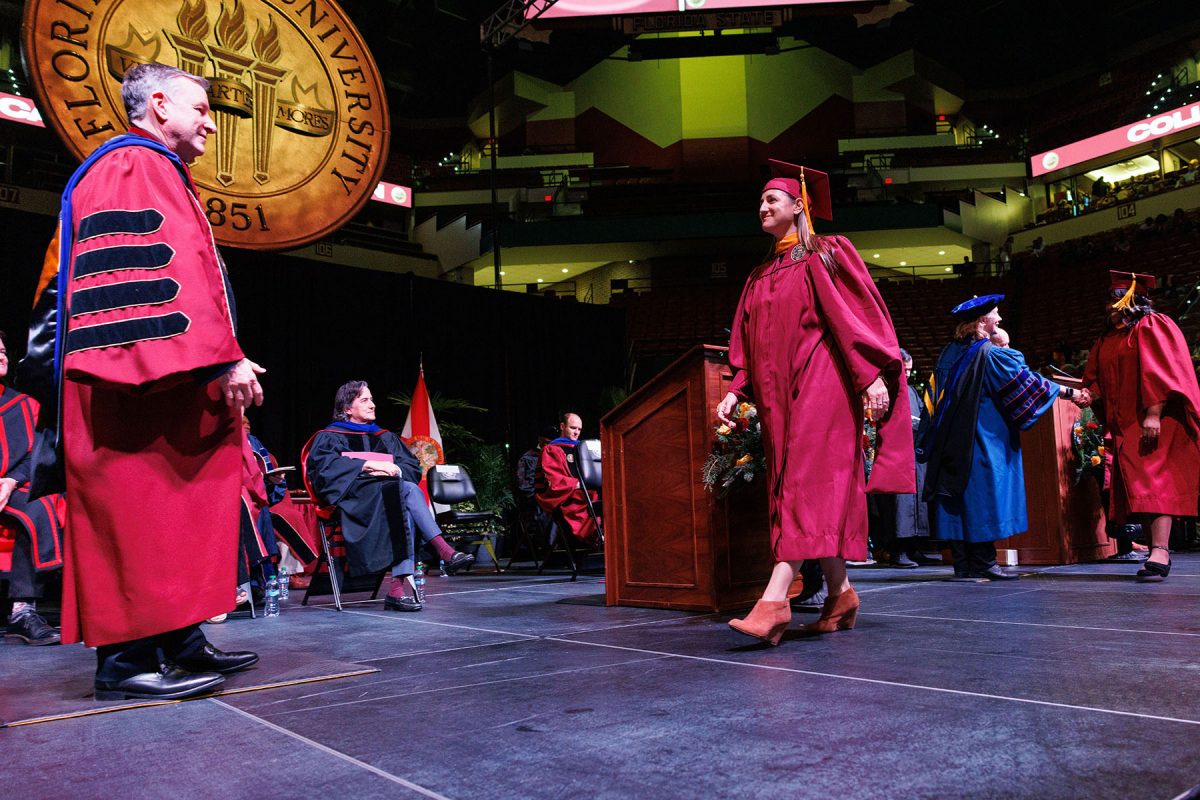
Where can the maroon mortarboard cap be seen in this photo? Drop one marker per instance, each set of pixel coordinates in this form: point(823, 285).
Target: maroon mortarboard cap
point(810, 185)
point(1124, 280)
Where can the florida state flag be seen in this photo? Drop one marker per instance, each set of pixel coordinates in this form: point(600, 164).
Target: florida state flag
point(421, 430)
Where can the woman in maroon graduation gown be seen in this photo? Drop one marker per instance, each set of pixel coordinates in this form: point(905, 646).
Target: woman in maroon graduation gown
point(1140, 374)
point(812, 345)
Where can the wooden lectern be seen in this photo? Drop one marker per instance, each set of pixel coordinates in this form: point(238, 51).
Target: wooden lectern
point(1066, 520)
point(669, 543)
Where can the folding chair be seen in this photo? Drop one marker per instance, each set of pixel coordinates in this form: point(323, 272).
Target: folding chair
point(331, 560)
point(525, 518)
point(450, 484)
point(329, 575)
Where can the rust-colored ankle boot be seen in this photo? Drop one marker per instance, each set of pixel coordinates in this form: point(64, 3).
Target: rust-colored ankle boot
point(767, 621)
point(838, 613)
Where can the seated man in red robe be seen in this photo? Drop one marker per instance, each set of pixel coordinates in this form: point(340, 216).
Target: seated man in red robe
point(558, 487)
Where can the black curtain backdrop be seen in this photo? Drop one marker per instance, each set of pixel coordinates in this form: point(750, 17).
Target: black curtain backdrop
point(26, 237)
point(315, 325)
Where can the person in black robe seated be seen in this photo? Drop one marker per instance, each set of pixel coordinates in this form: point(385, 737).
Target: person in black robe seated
point(371, 477)
point(30, 529)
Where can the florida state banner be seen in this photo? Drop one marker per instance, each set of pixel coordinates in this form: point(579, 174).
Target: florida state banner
point(421, 432)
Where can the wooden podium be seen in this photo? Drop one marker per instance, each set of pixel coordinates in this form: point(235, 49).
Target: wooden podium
point(669, 543)
point(1066, 520)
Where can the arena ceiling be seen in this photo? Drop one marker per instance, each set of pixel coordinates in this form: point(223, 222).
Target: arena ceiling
point(431, 53)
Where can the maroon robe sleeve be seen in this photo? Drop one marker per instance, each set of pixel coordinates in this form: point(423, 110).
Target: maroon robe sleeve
point(1165, 366)
point(147, 298)
point(18, 419)
point(861, 330)
point(737, 348)
point(1091, 371)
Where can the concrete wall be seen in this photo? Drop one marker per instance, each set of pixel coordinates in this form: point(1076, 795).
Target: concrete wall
point(597, 280)
point(1097, 221)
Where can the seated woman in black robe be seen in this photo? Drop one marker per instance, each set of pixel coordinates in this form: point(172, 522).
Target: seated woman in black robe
point(371, 477)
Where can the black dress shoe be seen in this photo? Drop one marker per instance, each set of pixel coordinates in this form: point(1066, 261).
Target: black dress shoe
point(1152, 571)
point(32, 628)
point(923, 560)
point(210, 659)
point(995, 573)
point(458, 561)
point(401, 604)
point(169, 683)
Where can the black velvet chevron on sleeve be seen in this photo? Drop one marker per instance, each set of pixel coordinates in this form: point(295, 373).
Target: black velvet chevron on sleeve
point(127, 331)
point(123, 295)
point(102, 223)
point(111, 259)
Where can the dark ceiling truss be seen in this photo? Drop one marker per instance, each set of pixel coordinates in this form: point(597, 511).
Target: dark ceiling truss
point(507, 21)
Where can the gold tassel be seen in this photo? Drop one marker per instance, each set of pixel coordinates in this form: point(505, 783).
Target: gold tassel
point(1126, 301)
point(804, 202)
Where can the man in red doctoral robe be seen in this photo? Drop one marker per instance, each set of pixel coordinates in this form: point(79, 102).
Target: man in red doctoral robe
point(1140, 375)
point(557, 487)
point(153, 384)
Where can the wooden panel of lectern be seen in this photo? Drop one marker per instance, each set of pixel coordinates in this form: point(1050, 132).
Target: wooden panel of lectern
point(1066, 520)
point(669, 543)
point(672, 544)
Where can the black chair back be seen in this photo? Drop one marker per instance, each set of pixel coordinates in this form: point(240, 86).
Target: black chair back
point(449, 484)
point(588, 465)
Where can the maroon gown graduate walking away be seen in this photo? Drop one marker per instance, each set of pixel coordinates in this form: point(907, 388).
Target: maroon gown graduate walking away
point(1129, 370)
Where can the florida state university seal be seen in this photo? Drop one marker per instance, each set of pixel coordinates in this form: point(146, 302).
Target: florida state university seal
point(301, 114)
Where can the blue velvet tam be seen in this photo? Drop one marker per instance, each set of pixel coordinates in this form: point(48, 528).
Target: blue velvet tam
point(976, 307)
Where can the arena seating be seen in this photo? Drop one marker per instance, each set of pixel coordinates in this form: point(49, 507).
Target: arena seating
point(1054, 299)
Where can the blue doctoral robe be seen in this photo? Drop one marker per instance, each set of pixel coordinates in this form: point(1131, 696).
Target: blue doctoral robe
point(1007, 398)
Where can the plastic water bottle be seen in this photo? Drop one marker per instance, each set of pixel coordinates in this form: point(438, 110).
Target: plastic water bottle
point(284, 589)
point(271, 607)
point(419, 580)
point(442, 568)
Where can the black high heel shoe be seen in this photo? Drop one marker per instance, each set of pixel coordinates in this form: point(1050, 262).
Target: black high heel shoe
point(1152, 571)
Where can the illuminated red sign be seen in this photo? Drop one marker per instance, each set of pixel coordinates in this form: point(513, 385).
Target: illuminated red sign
point(393, 194)
point(1103, 144)
point(599, 8)
point(19, 109)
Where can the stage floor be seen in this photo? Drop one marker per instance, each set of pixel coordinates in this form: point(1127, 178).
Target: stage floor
point(1075, 682)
